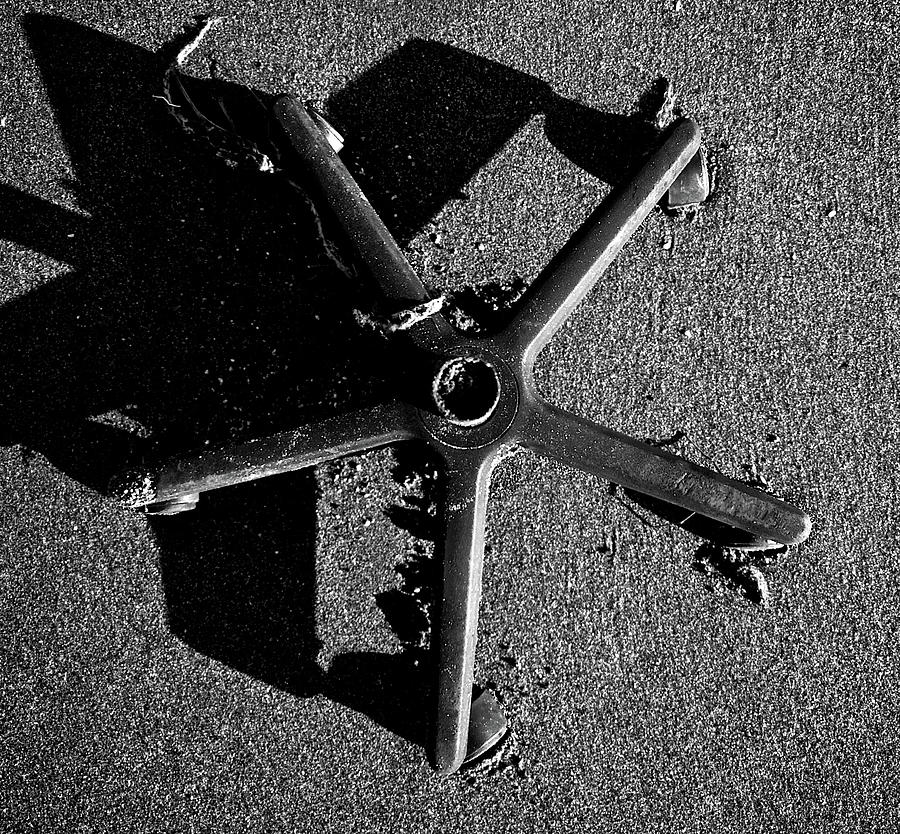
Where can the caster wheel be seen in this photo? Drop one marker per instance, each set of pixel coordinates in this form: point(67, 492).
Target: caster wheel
point(173, 506)
point(487, 725)
point(691, 187)
point(334, 138)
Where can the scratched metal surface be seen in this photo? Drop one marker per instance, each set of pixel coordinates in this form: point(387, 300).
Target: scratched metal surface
point(253, 665)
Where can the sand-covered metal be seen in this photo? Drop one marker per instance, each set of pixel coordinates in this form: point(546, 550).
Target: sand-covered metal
point(473, 400)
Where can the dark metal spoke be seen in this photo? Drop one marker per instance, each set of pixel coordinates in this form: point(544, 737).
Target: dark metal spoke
point(659, 474)
point(373, 242)
point(572, 273)
point(465, 507)
point(286, 451)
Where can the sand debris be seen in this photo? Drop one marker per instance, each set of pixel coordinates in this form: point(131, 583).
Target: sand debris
point(185, 52)
point(402, 319)
point(665, 115)
point(738, 571)
point(504, 760)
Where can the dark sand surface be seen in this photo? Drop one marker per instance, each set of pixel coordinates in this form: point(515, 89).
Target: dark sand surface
point(245, 667)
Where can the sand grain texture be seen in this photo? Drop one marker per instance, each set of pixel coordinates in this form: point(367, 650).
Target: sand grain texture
point(245, 667)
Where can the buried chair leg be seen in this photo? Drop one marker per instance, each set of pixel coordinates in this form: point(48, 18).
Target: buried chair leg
point(465, 506)
point(660, 475)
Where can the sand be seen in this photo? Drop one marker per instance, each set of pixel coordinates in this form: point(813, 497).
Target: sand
point(252, 665)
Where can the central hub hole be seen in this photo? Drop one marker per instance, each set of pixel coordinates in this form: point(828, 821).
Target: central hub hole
point(466, 390)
